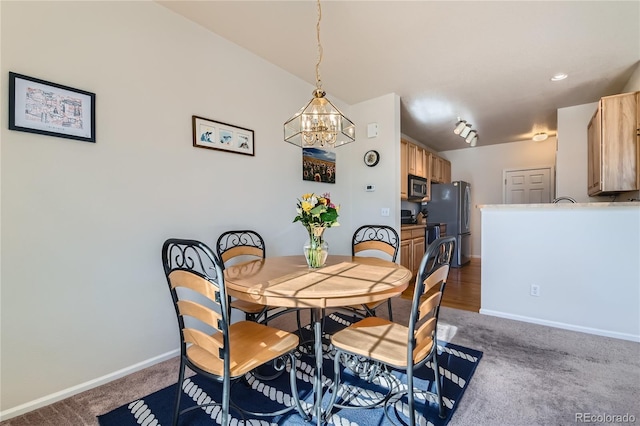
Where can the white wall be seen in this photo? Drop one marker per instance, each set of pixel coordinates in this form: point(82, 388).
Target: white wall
point(634, 81)
point(571, 171)
point(84, 298)
point(482, 166)
point(385, 111)
point(589, 280)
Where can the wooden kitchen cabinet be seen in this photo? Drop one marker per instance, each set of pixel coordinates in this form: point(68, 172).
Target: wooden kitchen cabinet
point(404, 170)
point(440, 169)
point(416, 159)
point(412, 151)
point(445, 171)
point(613, 143)
point(412, 248)
point(419, 163)
point(435, 167)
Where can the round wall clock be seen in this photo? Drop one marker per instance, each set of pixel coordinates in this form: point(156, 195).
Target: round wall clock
point(371, 158)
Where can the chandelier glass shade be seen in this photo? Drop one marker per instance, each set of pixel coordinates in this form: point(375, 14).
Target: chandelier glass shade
point(319, 122)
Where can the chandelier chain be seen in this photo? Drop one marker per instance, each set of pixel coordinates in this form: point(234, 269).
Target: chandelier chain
point(318, 80)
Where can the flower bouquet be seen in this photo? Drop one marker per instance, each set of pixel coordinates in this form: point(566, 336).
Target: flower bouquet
point(316, 213)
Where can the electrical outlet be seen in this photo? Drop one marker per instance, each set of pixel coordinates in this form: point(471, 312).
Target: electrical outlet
point(384, 212)
point(535, 290)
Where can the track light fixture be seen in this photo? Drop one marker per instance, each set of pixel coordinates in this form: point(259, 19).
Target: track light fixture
point(461, 125)
point(470, 136)
point(463, 129)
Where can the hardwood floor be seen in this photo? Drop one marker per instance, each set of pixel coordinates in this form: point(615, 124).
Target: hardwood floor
point(463, 288)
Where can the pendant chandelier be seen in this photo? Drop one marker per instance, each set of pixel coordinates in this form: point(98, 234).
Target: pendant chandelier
point(319, 122)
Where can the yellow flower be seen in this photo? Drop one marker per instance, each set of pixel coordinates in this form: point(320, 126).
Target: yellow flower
point(306, 206)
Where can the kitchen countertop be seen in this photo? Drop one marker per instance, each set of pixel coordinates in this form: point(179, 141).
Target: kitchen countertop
point(563, 205)
point(413, 226)
point(436, 224)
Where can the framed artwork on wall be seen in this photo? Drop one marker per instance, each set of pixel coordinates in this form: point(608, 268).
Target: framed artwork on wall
point(213, 134)
point(318, 165)
point(45, 108)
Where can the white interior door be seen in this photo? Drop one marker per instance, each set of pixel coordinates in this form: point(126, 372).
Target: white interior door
point(528, 186)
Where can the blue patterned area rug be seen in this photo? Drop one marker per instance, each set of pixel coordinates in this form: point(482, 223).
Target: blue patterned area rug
point(457, 365)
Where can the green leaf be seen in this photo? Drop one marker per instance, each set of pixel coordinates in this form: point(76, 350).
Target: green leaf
point(330, 216)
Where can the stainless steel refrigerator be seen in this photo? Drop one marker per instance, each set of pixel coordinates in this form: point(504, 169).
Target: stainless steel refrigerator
point(451, 204)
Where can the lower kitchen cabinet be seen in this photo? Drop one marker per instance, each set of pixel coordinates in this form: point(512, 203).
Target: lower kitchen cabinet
point(412, 247)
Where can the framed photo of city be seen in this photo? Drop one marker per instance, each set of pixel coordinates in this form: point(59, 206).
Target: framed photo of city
point(212, 134)
point(318, 165)
point(38, 106)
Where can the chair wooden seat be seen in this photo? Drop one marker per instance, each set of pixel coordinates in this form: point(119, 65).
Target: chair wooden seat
point(377, 338)
point(249, 307)
point(252, 345)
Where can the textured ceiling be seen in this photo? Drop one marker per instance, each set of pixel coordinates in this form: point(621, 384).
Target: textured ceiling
point(489, 63)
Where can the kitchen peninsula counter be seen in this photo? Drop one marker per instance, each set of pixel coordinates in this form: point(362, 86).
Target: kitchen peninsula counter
point(558, 264)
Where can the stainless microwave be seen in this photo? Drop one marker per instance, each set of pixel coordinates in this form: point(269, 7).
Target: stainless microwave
point(417, 187)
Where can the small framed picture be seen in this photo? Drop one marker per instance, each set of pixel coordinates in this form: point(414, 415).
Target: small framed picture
point(318, 165)
point(212, 134)
point(38, 106)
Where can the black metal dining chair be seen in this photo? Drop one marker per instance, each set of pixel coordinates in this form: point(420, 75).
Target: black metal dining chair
point(240, 244)
point(369, 239)
point(387, 344)
point(209, 344)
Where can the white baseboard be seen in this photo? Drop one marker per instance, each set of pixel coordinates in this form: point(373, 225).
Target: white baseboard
point(565, 326)
point(66, 393)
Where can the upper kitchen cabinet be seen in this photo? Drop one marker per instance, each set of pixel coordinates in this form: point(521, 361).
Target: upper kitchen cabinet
point(414, 160)
point(417, 160)
point(446, 171)
point(440, 169)
point(404, 170)
point(613, 136)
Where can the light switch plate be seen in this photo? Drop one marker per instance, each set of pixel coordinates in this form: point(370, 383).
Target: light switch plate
point(372, 130)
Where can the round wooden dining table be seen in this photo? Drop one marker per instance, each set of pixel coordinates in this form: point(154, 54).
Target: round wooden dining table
point(288, 282)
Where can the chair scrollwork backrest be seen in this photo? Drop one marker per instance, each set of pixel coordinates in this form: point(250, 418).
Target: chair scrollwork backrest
point(376, 237)
point(238, 243)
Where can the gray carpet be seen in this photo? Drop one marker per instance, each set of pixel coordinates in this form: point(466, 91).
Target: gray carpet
point(529, 375)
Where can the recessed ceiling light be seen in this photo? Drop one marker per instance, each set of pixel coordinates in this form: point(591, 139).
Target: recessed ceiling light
point(559, 76)
point(539, 137)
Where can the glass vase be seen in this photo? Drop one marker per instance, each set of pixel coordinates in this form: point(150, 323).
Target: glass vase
point(316, 248)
